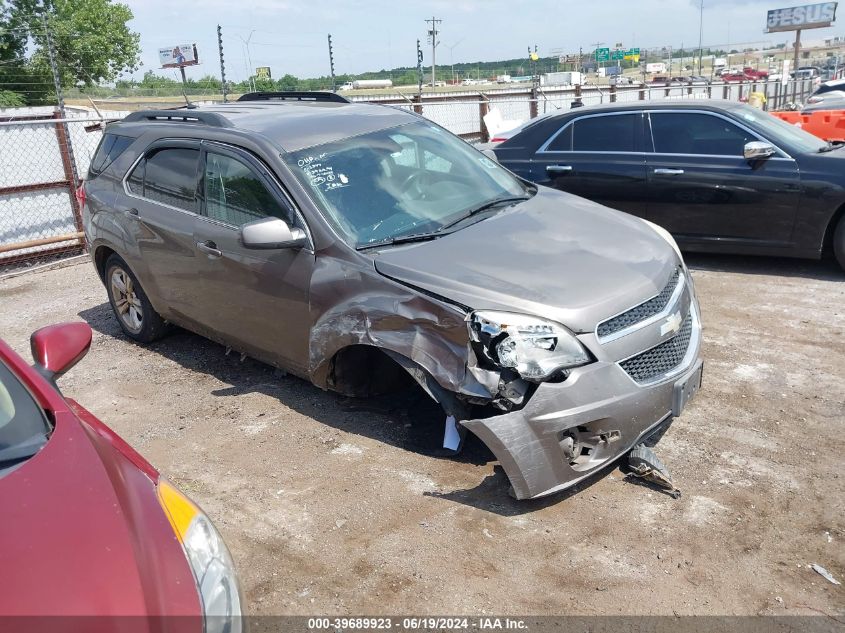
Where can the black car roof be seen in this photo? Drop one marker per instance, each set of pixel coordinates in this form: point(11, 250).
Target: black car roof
point(663, 104)
point(292, 125)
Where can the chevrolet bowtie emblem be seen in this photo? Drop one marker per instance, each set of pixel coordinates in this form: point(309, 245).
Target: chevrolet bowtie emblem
point(672, 324)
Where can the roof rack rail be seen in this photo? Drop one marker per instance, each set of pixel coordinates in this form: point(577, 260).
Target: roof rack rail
point(294, 95)
point(180, 116)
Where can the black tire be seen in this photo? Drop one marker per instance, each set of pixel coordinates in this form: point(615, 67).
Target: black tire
point(132, 309)
point(839, 242)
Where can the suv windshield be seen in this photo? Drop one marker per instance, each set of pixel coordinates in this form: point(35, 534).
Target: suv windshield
point(23, 426)
point(415, 179)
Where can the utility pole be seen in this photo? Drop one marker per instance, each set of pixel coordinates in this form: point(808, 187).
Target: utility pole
point(700, 33)
point(596, 46)
point(419, 69)
point(222, 66)
point(331, 63)
point(432, 36)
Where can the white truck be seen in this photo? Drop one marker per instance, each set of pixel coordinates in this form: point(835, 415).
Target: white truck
point(560, 79)
point(503, 79)
point(655, 68)
point(364, 84)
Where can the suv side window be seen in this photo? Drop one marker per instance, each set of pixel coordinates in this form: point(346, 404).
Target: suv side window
point(235, 194)
point(606, 133)
point(697, 133)
point(111, 146)
point(168, 176)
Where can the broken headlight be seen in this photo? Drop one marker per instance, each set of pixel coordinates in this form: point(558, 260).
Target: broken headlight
point(535, 348)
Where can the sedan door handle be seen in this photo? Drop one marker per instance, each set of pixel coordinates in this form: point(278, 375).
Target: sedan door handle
point(210, 248)
point(669, 172)
point(558, 169)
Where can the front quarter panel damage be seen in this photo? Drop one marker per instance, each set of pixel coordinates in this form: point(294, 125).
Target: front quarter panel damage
point(352, 304)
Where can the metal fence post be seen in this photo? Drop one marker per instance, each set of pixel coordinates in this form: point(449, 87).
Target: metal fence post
point(532, 105)
point(613, 93)
point(69, 169)
point(483, 109)
point(418, 101)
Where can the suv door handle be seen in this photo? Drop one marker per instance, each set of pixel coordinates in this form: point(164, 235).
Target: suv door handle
point(558, 169)
point(210, 248)
point(668, 172)
point(133, 212)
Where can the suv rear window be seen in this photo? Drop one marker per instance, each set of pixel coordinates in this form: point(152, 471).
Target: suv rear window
point(111, 146)
point(168, 176)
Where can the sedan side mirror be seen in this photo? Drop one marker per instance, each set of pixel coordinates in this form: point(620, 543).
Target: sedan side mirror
point(270, 233)
point(57, 348)
point(757, 150)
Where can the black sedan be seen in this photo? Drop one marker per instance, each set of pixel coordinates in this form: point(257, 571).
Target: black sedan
point(720, 176)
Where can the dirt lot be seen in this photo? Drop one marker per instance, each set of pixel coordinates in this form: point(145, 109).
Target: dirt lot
point(339, 507)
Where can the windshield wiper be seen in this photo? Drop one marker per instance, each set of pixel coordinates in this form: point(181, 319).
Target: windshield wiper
point(484, 207)
point(832, 145)
point(402, 239)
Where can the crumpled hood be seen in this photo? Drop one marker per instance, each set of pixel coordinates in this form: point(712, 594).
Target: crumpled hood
point(556, 255)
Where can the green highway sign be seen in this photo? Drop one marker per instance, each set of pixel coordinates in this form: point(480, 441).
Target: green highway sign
point(618, 54)
point(602, 54)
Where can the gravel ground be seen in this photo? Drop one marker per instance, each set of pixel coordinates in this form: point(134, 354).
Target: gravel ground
point(333, 506)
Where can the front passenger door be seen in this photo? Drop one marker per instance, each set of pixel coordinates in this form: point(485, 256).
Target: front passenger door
point(255, 300)
point(599, 157)
point(703, 190)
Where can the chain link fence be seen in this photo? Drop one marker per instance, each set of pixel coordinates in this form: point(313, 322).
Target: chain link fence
point(463, 112)
point(42, 157)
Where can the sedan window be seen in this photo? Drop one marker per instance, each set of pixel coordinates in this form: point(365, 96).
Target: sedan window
point(234, 194)
point(609, 133)
point(697, 133)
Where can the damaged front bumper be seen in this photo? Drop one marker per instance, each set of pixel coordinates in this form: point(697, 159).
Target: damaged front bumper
point(569, 430)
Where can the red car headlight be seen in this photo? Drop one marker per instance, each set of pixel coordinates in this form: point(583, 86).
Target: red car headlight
point(208, 558)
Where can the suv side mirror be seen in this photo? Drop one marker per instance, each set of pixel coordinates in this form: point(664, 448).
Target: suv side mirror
point(57, 348)
point(268, 233)
point(756, 150)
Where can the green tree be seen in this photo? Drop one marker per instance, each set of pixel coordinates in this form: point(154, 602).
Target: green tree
point(91, 38)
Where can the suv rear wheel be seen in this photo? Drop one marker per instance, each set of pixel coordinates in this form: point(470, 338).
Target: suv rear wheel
point(130, 304)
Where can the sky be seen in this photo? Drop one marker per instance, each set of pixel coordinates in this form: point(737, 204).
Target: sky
point(290, 36)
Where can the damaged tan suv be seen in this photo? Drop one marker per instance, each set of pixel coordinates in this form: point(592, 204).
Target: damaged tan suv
point(355, 245)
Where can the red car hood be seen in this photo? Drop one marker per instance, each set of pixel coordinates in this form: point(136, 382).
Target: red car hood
point(82, 533)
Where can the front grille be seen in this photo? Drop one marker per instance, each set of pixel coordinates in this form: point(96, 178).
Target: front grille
point(661, 359)
point(641, 312)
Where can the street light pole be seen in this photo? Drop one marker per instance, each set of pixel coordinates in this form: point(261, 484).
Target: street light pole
point(249, 57)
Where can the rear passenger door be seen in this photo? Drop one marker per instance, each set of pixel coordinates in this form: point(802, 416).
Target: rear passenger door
point(599, 157)
point(159, 212)
point(255, 300)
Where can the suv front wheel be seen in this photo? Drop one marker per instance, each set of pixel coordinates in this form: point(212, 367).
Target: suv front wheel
point(130, 304)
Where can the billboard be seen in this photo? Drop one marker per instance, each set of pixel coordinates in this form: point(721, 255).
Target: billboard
point(178, 56)
point(811, 16)
point(263, 72)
